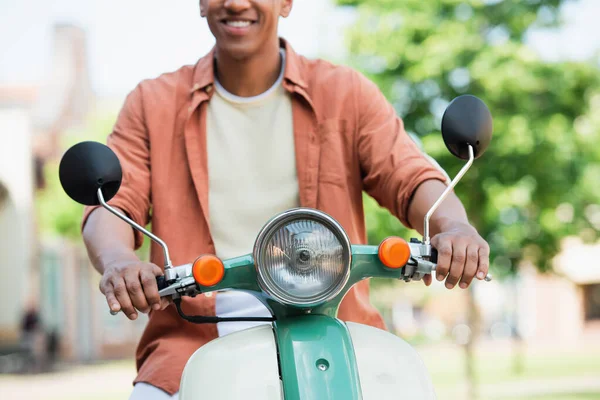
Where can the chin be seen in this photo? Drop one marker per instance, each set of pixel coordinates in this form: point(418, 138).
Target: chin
point(238, 51)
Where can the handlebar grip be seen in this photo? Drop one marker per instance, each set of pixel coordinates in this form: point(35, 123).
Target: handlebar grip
point(434, 259)
point(434, 256)
point(161, 282)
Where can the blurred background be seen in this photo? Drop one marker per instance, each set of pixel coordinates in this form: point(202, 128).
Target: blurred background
point(532, 333)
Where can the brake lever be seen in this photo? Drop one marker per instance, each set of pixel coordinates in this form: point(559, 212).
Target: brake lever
point(185, 285)
point(424, 261)
point(179, 288)
point(434, 259)
point(418, 267)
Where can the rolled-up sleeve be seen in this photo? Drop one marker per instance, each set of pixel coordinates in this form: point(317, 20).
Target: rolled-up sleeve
point(129, 140)
point(392, 165)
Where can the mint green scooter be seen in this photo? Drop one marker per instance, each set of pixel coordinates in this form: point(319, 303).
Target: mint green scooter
point(301, 267)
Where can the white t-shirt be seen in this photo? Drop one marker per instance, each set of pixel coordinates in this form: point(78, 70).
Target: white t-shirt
point(252, 177)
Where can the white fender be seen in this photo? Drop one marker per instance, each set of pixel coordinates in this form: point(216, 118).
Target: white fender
point(388, 367)
point(240, 365)
point(243, 365)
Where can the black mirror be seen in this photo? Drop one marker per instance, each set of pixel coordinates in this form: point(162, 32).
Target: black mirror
point(467, 121)
point(87, 167)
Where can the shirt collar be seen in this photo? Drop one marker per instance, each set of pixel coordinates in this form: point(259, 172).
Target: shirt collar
point(294, 71)
point(204, 73)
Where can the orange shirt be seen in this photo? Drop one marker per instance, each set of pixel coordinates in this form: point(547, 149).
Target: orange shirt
point(347, 139)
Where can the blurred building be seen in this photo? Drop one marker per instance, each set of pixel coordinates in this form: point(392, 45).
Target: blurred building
point(560, 309)
point(72, 305)
point(554, 310)
point(53, 277)
point(17, 238)
point(565, 307)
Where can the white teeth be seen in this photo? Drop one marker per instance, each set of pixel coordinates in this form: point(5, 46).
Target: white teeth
point(238, 24)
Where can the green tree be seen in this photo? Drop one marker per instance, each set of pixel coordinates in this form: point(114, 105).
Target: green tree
point(535, 183)
point(538, 180)
point(57, 213)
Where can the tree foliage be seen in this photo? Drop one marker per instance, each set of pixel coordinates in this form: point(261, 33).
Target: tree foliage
point(57, 213)
point(538, 181)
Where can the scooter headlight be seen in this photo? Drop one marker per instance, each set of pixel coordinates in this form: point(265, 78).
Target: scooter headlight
point(302, 257)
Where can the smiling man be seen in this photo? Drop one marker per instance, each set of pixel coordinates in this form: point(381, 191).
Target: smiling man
point(212, 151)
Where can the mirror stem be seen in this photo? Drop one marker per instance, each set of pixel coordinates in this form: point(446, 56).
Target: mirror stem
point(155, 238)
point(461, 173)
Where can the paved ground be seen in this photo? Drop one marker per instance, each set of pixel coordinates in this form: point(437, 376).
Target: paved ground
point(113, 381)
point(529, 389)
point(95, 382)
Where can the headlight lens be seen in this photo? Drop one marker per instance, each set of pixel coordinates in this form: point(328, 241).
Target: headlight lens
point(302, 257)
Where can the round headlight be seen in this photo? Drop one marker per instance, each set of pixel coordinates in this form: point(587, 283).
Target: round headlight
point(302, 257)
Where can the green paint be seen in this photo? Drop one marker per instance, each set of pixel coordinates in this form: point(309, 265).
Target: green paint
point(315, 349)
point(317, 359)
point(240, 274)
point(365, 264)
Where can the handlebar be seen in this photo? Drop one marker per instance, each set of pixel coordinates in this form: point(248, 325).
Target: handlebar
point(161, 281)
point(182, 276)
point(434, 256)
point(184, 283)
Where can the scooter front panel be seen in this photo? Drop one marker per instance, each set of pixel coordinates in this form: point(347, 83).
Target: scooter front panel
point(389, 368)
point(239, 366)
point(316, 358)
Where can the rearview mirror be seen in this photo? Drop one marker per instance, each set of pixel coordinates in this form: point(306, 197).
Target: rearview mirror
point(87, 167)
point(467, 121)
point(467, 132)
point(90, 173)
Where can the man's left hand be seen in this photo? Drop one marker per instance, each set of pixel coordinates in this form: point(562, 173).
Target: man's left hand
point(462, 255)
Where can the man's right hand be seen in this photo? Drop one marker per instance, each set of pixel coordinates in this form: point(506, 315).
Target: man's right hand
point(130, 285)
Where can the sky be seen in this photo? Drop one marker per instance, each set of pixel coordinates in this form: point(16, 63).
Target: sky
point(131, 40)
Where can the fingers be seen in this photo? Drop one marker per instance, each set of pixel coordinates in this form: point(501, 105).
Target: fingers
point(130, 287)
point(148, 279)
point(427, 280)
point(120, 290)
point(444, 258)
point(108, 291)
point(457, 266)
point(484, 262)
point(136, 291)
point(462, 255)
point(470, 266)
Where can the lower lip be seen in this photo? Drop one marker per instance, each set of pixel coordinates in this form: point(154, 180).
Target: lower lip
point(237, 31)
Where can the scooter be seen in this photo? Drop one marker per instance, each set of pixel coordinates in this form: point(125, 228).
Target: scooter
point(301, 267)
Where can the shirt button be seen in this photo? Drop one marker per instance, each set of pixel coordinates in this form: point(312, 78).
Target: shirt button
point(209, 88)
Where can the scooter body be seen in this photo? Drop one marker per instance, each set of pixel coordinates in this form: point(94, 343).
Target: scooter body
point(244, 365)
point(301, 267)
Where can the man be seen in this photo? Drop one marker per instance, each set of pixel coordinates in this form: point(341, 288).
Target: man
point(216, 149)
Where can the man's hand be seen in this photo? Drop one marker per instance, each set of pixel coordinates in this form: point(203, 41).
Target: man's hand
point(462, 255)
point(130, 284)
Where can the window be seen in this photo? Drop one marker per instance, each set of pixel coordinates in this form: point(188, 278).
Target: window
point(591, 295)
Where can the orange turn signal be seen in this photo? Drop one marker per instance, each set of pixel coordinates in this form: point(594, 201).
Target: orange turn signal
point(394, 252)
point(208, 270)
